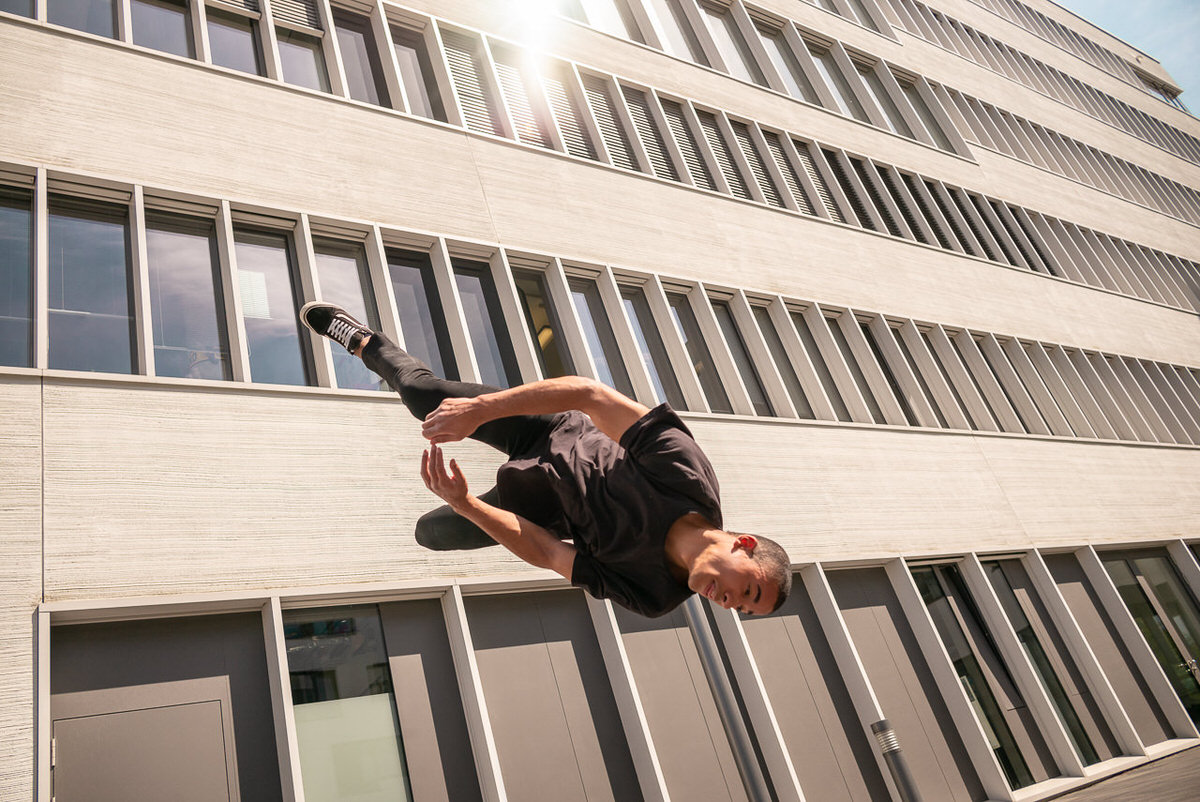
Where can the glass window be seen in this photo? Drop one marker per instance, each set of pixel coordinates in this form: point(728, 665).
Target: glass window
point(233, 42)
point(689, 330)
point(601, 342)
point(485, 324)
point(16, 269)
point(360, 58)
point(22, 7)
point(860, 379)
point(786, 65)
point(733, 48)
point(544, 326)
point(889, 376)
point(680, 38)
point(162, 25)
point(90, 16)
point(847, 102)
point(266, 283)
point(185, 299)
point(91, 317)
point(342, 273)
point(416, 71)
point(878, 92)
point(422, 321)
point(790, 380)
point(654, 353)
point(822, 369)
point(347, 730)
point(923, 111)
point(301, 59)
point(741, 358)
point(613, 16)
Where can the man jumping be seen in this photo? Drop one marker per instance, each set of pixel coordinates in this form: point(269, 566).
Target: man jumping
point(628, 485)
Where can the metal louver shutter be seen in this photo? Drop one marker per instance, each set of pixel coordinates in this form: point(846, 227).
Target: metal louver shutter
point(955, 228)
point(1036, 242)
point(848, 189)
point(814, 175)
point(688, 145)
point(981, 208)
point(967, 215)
point(570, 120)
point(652, 139)
point(757, 166)
point(789, 173)
point(619, 149)
point(529, 129)
point(1030, 259)
point(249, 5)
point(298, 12)
point(907, 213)
point(720, 149)
point(478, 109)
point(930, 218)
point(873, 194)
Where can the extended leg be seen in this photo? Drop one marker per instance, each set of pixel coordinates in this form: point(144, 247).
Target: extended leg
point(443, 529)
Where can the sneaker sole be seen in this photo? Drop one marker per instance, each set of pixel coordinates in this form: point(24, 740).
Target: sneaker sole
point(304, 315)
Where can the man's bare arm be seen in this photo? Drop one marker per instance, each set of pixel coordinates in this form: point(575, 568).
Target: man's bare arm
point(527, 540)
point(611, 411)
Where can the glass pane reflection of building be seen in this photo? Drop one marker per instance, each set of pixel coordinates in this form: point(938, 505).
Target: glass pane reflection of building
point(347, 729)
point(342, 271)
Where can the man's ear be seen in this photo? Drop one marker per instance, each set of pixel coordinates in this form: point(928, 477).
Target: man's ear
point(748, 543)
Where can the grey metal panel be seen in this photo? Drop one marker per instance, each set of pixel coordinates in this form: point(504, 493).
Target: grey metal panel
point(433, 728)
point(558, 730)
point(1136, 697)
point(904, 685)
point(828, 745)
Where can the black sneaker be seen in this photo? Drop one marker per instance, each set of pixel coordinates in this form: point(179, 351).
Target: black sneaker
point(335, 323)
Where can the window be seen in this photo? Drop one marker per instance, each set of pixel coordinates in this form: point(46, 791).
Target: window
point(680, 39)
point(90, 16)
point(789, 69)
point(613, 16)
point(733, 48)
point(266, 284)
point(843, 95)
point(16, 269)
point(821, 367)
point(485, 324)
point(162, 25)
point(523, 97)
point(758, 167)
point(301, 59)
point(185, 298)
point(654, 353)
point(422, 321)
point(742, 359)
point(22, 7)
point(416, 72)
point(724, 156)
point(598, 333)
point(544, 325)
point(779, 353)
point(611, 128)
point(928, 119)
point(565, 104)
point(480, 109)
point(856, 371)
point(91, 315)
point(685, 138)
point(886, 369)
point(342, 272)
point(233, 42)
point(652, 138)
point(347, 731)
point(879, 93)
point(360, 58)
point(702, 362)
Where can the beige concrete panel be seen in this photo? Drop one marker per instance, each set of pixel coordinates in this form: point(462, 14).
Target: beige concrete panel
point(20, 578)
point(176, 124)
point(153, 490)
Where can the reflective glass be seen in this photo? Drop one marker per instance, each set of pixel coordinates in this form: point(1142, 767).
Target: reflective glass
point(741, 358)
point(421, 319)
point(788, 68)
point(601, 342)
point(883, 100)
point(364, 73)
point(16, 268)
point(301, 59)
point(612, 16)
point(91, 320)
point(186, 310)
point(843, 95)
point(342, 273)
point(266, 286)
point(347, 730)
point(232, 42)
point(162, 25)
point(734, 51)
point(654, 353)
point(926, 114)
point(485, 324)
point(790, 380)
point(91, 16)
point(680, 38)
point(693, 340)
point(21, 7)
point(416, 71)
point(544, 325)
point(819, 365)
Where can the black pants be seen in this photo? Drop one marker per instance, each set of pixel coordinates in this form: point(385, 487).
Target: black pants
point(423, 391)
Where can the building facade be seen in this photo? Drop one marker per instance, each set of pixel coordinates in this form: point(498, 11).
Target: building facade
point(922, 278)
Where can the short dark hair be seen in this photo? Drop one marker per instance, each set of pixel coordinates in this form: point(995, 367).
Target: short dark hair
point(776, 565)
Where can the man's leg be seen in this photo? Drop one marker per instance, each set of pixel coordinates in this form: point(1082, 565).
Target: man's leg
point(444, 529)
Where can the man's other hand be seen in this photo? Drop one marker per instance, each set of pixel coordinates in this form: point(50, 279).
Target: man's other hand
point(450, 487)
point(454, 419)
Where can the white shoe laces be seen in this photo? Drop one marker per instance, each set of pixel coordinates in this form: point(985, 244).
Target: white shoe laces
point(342, 331)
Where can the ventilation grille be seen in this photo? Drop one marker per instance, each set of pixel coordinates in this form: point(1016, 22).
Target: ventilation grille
point(981, 207)
point(1049, 263)
point(611, 129)
point(688, 145)
point(959, 234)
point(249, 5)
point(1016, 240)
point(818, 180)
point(478, 108)
point(757, 166)
point(720, 149)
point(873, 194)
point(902, 204)
point(652, 138)
point(775, 145)
point(851, 193)
point(297, 12)
point(529, 129)
point(914, 189)
point(570, 120)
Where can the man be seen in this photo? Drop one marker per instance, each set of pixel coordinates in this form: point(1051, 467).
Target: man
point(628, 485)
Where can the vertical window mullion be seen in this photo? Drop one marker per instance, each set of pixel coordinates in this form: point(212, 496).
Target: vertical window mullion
point(1159, 420)
point(1073, 398)
point(673, 341)
point(618, 140)
point(1028, 375)
point(235, 321)
point(958, 223)
point(718, 138)
point(1105, 405)
point(912, 383)
point(446, 280)
point(853, 191)
point(569, 321)
point(820, 329)
point(514, 319)
point(828, 201)
point(941, 374)
point(804, 60)
point(696, 161)
point(140, 285)
point(642, 108)
point(383, 293)
point(332, 50)
point(1176, 396)
point(1126, 404)
point(988, 380)
point(41, 268)
point(724, 366)
point(310, 290)
point(760, 354)
point(381, 33)
point(198, 19)
point(622, 328)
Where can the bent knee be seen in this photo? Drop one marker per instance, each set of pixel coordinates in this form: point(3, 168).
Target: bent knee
point(430, 534)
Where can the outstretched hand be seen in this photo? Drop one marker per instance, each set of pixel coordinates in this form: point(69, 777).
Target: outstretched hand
point(454, 419)
point(450, 487)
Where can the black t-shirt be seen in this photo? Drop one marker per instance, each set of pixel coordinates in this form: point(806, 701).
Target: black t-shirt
point(616, 501)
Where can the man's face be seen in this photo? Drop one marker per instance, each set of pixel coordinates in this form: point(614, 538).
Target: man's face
point(732, 579)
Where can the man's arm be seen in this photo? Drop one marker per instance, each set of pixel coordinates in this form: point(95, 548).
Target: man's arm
point(611, 411)
point(527, 540)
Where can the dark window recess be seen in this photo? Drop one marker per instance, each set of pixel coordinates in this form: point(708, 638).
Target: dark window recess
point(775, 145)
point(611, 129)
point(916, 371)
point(951, 221)
point(652, 138)
point(688, 146)
point(886, 369)
point(758, 167)
point(968, 214)
point(1033, 262)
point(901, 203)
point(860, 168)
point(818, 180)
point(930, 217)
point(856, 203)
point(1034, 240)
point(724, 156)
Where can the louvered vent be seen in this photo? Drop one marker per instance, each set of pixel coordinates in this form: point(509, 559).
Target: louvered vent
point(530, 129)
point(980, 207)
point(569, 117)
point(1033, 240)
point(611, 129)
point(652, 138)
point(757, 166)
point(688, 145)
point(959, 234)
point(907, 213)
point(851, 193)
point(297, 12)
point(934, 224)
point(873, 194)
point(720, 149)
point(818, 180)
point(1030, 259)
point(966, 213)
point(478, 107)
point(249, 5)
point(775, 145)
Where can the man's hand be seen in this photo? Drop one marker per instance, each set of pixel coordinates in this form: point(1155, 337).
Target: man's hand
point(450, 487)
point(454, 419)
